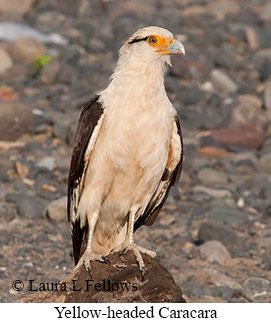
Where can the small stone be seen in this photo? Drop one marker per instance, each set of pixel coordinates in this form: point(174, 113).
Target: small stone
point(56, 210)
point(223, 82)
point(252, 38)
point(214, 251)
point(47, 162)
point(5, 61)
point(50, 72)
point(220, 279)
point(16, 120)
point(264, 164)
point(248, 110)
point(257, 285)
point(214, 152)
point(61, 131)
point(263, 63)
point(245, 158)
point(266, 11)
point(222, 9)
point(211, 176)
point(27, 49)
point(212, 231)
point(245, 135)
point(240, 203)
point(267, 96)
point(15, 8)
point(192, 96)
point(194, 10)
point(27, 206)
point(216, 193)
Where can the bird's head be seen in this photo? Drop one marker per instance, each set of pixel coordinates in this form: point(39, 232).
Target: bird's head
point(151, 43)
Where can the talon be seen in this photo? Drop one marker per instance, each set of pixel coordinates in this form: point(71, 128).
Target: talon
point(106, 260)
point(88, 269)
point(156, 257)
point(123, 252)
point(143, 271)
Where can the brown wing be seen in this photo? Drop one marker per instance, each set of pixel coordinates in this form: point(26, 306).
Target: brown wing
point(159, 197)
point(89, 118)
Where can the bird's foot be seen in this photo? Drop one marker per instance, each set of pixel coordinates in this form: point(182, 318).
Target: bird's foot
point(137, 250)
point(89, 256)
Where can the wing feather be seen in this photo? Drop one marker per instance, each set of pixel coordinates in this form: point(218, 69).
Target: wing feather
point(86, 135)
point(169, 178)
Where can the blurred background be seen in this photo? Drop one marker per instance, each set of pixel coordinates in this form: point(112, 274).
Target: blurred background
point(214, 233)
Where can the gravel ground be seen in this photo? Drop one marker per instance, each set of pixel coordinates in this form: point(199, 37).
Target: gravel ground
point(214, 233)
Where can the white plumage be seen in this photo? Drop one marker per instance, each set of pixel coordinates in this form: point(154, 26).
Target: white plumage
point(122, 173)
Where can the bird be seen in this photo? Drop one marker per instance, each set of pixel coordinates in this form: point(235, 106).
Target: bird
point(127, 152)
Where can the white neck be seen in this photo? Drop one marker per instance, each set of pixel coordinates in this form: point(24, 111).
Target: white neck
point(136, 77)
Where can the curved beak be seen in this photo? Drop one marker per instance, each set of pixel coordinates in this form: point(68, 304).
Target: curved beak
point(176, 48)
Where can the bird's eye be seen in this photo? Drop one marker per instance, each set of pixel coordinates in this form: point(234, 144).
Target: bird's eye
point(152, 40)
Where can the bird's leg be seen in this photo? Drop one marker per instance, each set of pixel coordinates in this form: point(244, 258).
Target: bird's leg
point(129, 244)
point(89, 255)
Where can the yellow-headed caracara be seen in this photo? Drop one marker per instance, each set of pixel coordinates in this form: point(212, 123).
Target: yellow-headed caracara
point(127, 152)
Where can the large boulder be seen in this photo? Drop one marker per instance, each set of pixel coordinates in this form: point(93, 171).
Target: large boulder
point(119, 282)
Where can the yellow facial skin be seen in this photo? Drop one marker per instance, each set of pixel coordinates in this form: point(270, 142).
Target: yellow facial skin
point(165, 46)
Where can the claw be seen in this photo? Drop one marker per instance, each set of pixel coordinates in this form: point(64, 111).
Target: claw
point(143, 271)
point(88, 269)
point(157, 258)
point(123, 252)
point(106, 260)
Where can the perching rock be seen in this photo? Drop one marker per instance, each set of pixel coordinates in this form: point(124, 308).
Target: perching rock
point(110, 281)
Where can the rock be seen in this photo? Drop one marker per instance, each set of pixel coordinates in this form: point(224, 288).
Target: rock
point(223, 82)
point(212, 231)
point(266, 11)
point(61, 131)
point(252, 38)
point(227, 215)
point(220, 279)
point(47, 162)
point(27, 206)
point(57, 210)
point(70, 55)
point(216, 193)
point(263, 63)
point(211, 176)
point(245, 135)
point(5, 61)
point(26, 49)
point(264, 164)
point(222, 9)
point(111, 277)
point(10, 31)
point(266, 257)
point(257, 286)
point(214, 251)
point(213, 152)
point(192, 96)
point(16, 120)
point(267, 96)
point(15, 8)
point(245, 158)
point(248, 111)
point(50, 72)
point(194, 10)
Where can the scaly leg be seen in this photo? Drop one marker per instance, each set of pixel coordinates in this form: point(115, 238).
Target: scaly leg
point(129, 244)
point(89, 255)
